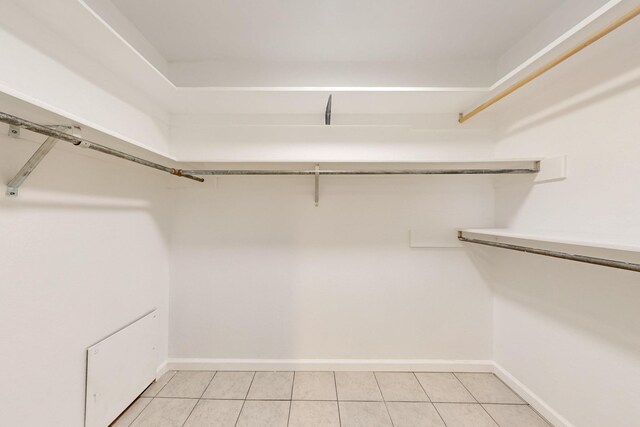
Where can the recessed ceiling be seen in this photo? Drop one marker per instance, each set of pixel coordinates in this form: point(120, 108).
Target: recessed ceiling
point(334, 30)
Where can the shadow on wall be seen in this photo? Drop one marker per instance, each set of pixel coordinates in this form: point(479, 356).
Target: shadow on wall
point(72, 181)
point(597, 301)
point(517, 189)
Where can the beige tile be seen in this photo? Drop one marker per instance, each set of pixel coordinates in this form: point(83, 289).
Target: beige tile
point(157, 385)
point(215, 413)
point(515, 416)
point(271, 386)
point(357, 386)
point(464, 415)
point(189, 384)
point(229, 385)
point(444, 387)
point(132, 412)
point(364, 414)
point(487, 388)
point(264, 413)
point(314, 414)
point(314, 386)
point(165, 413)
point(414, 414)
point(400, 387)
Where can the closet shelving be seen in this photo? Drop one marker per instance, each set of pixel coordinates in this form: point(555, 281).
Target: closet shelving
point(71, 135)
point(621, 253)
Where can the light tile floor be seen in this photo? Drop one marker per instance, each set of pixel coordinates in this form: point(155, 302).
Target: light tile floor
point(328, 399)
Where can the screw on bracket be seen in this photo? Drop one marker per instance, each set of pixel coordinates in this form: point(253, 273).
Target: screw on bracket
point(14, 131)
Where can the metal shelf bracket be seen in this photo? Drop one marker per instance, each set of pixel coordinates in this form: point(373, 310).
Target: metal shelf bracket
point(14, 185)
point(317, 199)
point(14, 131)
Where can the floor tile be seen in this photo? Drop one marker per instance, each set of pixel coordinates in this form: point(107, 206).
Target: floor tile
point(357, 386)
point(264, 413)
point(215, 413)
point(414, 414)
point(444, 387)
point(132, 412)
point(165, 413)
point(314, 386)
point(464, 415)
point(271, 385)
point(400, 387)
point(515, 416)
point(189, 384)
point(157, 385)
point(487, 388)
point(229, 385)
point(364, 414)
point(314, 414)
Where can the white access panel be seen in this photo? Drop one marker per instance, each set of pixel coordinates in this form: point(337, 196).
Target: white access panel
point(119, 368)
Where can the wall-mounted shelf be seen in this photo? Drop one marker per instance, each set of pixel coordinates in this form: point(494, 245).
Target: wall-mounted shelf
point(621, 252)
point(495, 167)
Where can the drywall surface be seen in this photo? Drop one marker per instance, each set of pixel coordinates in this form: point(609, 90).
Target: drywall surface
point(570, 331)
point(260, 273)
point(82, 255)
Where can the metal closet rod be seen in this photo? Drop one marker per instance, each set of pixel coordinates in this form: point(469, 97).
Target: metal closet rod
point(193, 173)
point(482, 171)
point(557, 60)
point(82, 142)
point(556, 254)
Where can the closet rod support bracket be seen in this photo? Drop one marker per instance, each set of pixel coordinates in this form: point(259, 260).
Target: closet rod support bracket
point(317, 196)
point(14, 131)
point(14, 185)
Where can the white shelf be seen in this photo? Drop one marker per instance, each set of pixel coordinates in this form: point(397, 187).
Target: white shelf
point(582, 240)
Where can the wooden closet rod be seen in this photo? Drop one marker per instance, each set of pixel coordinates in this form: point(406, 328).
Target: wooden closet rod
point(565, 55)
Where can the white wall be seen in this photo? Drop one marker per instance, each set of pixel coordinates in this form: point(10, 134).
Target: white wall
point(259, 272)
point(82, 254)
point(571, 331)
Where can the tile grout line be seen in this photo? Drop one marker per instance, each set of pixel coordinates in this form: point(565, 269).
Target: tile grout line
point(245, 399)
point(293, 382)
point(383, 399)
point(466, 388)
point(476, 399)
point(430, 401)
point(200, 398)
point(152, 398)
point(165, 384)
point(136, 417)
point(335, 384)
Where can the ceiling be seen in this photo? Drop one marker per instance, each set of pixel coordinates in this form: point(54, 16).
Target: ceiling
point(334, 30)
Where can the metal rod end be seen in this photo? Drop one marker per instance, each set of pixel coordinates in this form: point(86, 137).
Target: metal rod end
point(178, 172)
point(12, 192)
point(460, 118)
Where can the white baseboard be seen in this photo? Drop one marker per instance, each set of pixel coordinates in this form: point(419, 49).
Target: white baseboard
point(531, 398)
point(162, 369)
point(427, 365)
